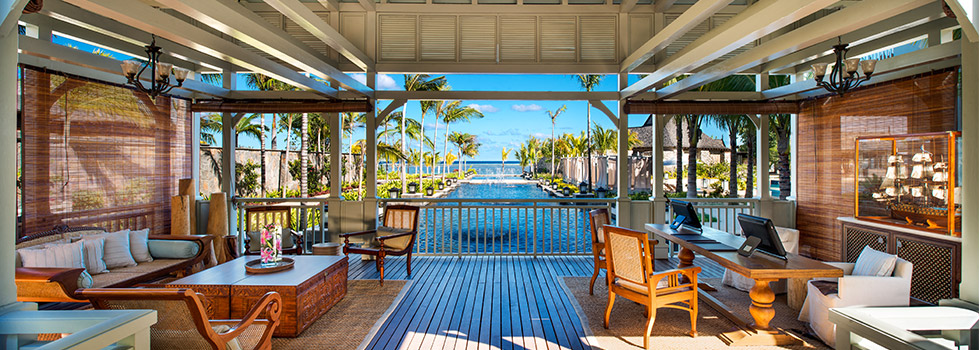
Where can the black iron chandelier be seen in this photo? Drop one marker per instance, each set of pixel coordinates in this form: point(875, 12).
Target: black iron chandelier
point(839, 82)
point(159, 72)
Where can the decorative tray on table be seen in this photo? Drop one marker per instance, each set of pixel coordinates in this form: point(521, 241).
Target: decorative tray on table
point(256, 266)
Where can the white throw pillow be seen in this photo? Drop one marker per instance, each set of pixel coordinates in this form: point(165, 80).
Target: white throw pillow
point(54, 255)
point(874, 263)
point(117, 249)
point(138, 245)
point(94, 253)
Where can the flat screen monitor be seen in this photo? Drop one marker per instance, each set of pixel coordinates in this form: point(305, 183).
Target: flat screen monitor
point(765, 231)
point(684, 215)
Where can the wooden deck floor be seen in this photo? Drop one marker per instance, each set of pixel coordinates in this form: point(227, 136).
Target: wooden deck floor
point(486, 302)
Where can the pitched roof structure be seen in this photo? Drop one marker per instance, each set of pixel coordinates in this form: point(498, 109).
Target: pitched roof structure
point(645, 133)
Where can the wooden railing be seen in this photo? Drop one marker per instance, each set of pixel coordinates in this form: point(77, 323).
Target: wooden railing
point(503, 226)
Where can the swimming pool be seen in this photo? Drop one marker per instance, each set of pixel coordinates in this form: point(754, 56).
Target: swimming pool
point(517, 218)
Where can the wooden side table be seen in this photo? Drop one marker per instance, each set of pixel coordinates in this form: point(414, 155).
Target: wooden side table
point(796, 292)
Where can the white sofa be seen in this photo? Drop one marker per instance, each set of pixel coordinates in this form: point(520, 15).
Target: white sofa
point(791, 243)
point(851, 291)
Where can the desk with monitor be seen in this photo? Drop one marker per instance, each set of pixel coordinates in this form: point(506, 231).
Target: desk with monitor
point(763, 268)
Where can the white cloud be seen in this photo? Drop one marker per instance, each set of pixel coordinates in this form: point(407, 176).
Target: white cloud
point(526, 108)
point(383, 81)
point(484, 108)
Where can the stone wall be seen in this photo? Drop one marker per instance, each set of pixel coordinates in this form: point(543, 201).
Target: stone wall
point(211, 167)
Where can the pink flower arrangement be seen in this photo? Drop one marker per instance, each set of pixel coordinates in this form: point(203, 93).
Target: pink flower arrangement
point(271, 250)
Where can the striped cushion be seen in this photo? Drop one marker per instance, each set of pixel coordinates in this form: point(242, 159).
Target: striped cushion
point(117, 249)
point(138, 245)
point(55, 255)
point(94, 251)
point(874, 263)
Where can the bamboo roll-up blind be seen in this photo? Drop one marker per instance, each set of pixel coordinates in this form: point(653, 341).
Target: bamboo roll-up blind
point(100, 154)
point(828, 127)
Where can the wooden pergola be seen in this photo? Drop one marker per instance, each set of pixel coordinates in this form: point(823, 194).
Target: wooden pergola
point(305, 43)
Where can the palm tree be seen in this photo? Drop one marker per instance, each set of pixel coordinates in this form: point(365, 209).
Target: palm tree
point(589, 82)
point(285, 119)
point(249, 127)
point(416, 82)
point(504, 152)
point(264, 83)
point(780, 125)
point(694, 121)
point(748, 134)
point(524, 156)
point(466, 145)
point(679, 152)
point(456, 112)
point(210, 124)
point(732, 123)
point(554, 115)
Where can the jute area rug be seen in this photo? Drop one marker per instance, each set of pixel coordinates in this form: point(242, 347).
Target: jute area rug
point(627, 324)
point(353, 321)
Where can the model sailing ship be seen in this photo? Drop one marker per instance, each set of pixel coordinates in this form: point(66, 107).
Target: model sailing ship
point(920, 197)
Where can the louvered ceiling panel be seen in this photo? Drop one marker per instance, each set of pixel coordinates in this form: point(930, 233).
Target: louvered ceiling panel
point(640, 30)
point(558, 38)
point(397, 37)
point(597, 38)
point(301, 34)
point(517, 38)
point(688, 37)
point(478, 38)
point(352, 28)
point(717, 21)
point(437, 41)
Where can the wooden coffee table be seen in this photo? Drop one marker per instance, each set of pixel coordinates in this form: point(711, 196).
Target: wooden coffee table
point(308, 290)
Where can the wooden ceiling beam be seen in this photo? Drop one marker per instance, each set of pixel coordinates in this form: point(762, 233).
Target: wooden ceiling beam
point(144, 17)
point(74, 16)
point(694, 15)
point(238, 22)
point(835, 24)
point(305, 18)
point(756, 21)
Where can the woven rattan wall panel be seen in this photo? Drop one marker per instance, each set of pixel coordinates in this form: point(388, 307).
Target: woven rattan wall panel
point(855, 239)
point(933, 268)
point(828, 127)
point(100, 154)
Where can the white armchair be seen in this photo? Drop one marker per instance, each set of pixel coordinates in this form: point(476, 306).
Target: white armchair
point(891, 290)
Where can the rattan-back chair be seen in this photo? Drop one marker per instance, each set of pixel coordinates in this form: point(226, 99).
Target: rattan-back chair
point(629, 264)
point(395, 236)
point(597, 219)
point(256, 218)
point(182, 321)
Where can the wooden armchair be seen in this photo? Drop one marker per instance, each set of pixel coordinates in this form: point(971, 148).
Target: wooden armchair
point(395, 236)
point(256, 218)
point(631, 275)
point(597, 219)
point(182, 321)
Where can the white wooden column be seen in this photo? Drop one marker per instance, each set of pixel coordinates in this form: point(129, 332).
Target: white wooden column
point(228, 146)
point(657, 158)
point(970, 191)
point(8, 161)
point(335, 201)
point(762, 154)
point(370, 160)
point(623, 162)
point(762, 165)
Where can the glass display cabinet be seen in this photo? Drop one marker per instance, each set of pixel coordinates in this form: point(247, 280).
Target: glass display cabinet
point(909, 180)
